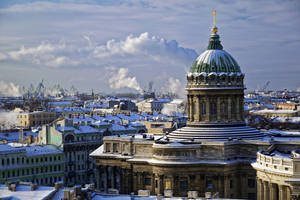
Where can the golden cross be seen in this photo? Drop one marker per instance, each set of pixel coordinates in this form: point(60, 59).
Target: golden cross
point(214, 14)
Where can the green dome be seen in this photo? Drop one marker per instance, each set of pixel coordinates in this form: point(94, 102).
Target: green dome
point(215, 59)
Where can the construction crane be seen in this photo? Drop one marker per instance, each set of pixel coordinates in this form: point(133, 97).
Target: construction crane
point(265, 86)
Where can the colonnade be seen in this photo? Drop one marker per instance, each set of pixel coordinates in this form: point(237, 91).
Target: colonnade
point(113, 177)
point(267, 190)
point(200, 107)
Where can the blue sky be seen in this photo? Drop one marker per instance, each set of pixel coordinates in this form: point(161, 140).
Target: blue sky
point(89, 43)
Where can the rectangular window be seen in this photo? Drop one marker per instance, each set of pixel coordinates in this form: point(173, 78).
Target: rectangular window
point(107, 149)
point(213, 108)
point(148, 181)
point(231, 184)
point(115, 147)
point(251, 183)
point(203, 108)
point(209, 184)
point(183, 185)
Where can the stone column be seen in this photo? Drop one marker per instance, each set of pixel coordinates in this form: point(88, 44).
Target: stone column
point(207, 108)
point(241, 107)
point(98, 177)
point(237, 108)
point(105, 178)
point(189, 107)
point(218, 108)
point(226, 187)
point(229, 109)
point(161, 184)
point(113, 178)
point(273, 192)
point(282, 195)
point(135, 181)
point(288, 192)
point(191, 114)
point(259, 189)
point(266, 190)
point(197, 106)
point(221, 185)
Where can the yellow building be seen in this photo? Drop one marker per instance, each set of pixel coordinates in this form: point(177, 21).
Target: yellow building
point(275, 113)
point(156, 126)
point(36, 118)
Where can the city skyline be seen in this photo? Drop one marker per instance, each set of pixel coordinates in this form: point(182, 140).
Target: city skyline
point(108, 45)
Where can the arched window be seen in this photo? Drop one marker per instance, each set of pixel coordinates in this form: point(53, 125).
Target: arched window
point(233, 107)
point(213, 108)
point(203, 108)
point(223, 108)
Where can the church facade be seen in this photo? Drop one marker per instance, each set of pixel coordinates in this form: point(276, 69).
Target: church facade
point(213, 153)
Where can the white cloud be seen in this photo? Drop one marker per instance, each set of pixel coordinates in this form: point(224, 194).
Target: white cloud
point(156, 47)
point(9, 119)
point(45, 54)
point(9, 89)
point(118, 78)
point(88, 54)
point(175, 86)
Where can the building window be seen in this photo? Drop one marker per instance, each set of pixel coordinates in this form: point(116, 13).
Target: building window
point(107, 149)
point(231, 184)
point(203, 108)
point(223, 108)
point(213, 108)
point(209, 184)
point(115, 147)
point(251, 196)
point(251, 183)
point(233, 109)
point(183, 185)
point(148, 181)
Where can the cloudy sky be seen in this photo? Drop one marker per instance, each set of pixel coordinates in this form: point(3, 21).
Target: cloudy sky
point(87, 43)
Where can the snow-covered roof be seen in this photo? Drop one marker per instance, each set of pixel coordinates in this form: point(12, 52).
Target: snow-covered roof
point(15, 136)
point(24, 192)
point(274, 111)
point(34, 150)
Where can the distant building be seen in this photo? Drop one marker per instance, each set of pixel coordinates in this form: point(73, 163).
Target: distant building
point(278, 175)
point(275, 113)
point(77, 139)
point(152, 105)
point(123, 104)
point(36, 118)
point(43, 165)
point(61, 104)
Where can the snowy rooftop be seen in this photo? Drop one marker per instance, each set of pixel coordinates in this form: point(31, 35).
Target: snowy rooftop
point(30, 150)
point(79, 130)
point(23, 192)
point(274, 111)
point(14, 136)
